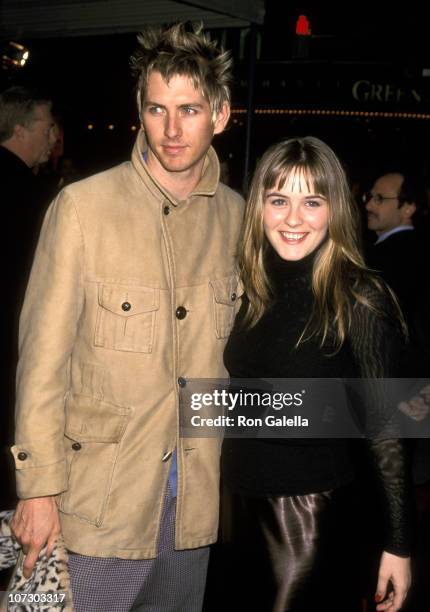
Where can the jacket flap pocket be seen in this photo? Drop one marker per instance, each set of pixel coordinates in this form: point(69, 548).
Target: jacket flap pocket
point(91, 420)
point(226, 290)
point(128, 301)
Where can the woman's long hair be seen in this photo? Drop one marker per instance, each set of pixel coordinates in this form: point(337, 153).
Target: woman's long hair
point(340, 277)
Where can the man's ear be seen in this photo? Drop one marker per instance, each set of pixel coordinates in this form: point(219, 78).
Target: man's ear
point(408, 210)
point(19, 131)
point(221, 118)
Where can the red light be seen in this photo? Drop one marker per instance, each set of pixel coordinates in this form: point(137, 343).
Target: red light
point(303, 26)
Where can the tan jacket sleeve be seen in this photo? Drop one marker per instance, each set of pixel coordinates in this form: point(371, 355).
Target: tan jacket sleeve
point(48, 327)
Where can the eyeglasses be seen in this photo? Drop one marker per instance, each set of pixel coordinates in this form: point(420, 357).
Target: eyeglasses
point(376, 197)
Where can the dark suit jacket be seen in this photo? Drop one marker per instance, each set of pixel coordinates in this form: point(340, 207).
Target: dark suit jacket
point(402, 259)
point(22, 208)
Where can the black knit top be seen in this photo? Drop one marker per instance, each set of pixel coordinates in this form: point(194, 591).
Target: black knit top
point(289, 466)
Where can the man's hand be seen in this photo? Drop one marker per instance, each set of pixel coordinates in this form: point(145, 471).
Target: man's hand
point(34, 524)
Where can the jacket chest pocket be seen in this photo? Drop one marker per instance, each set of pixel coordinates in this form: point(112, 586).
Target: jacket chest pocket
point(126, 318)
point(226, 294)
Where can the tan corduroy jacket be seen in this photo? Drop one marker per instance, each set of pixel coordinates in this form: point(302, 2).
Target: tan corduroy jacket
point(130, 291)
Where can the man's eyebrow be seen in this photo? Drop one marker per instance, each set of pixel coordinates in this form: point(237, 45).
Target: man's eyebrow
point(150, 103)
point(184, 105)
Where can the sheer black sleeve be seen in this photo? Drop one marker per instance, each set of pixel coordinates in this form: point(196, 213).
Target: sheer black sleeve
point(377, 344)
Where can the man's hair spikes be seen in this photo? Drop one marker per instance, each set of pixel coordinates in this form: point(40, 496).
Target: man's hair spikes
point(183, 49)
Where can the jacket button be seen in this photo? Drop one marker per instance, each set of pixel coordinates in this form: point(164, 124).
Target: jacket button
point(182, 382)
point(126, 306)
point(166, 210)
point(76, 446)
point(233, 297)
point(181, 312)
point(22, 456)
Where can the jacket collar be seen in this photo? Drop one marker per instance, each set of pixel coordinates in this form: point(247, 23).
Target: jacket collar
point(207, 185)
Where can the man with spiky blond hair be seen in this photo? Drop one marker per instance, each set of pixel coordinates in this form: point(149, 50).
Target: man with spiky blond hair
point(133, 290)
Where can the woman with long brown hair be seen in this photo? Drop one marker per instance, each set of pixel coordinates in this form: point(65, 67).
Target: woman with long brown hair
point(311, 310)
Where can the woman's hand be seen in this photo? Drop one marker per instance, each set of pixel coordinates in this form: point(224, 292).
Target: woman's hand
point(396, 570)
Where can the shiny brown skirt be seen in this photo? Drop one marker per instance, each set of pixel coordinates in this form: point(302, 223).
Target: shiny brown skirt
point(285, 553)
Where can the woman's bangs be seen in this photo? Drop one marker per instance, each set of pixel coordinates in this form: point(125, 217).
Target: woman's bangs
point(306, 179)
